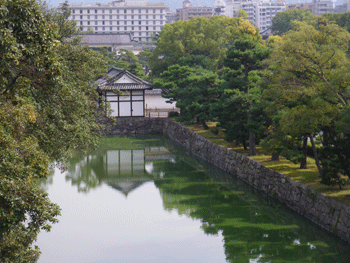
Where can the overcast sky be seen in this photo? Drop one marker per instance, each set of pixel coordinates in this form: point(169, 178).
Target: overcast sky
point(173, 4)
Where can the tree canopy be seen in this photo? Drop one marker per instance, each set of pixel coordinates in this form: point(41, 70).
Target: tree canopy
point(309, 86)
point(47, 111)
point(199, 36)
point(283, 22)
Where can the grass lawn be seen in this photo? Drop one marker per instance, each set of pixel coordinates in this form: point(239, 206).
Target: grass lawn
point(308, 176)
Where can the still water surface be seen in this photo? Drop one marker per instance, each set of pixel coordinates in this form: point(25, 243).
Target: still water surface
point(147, 200)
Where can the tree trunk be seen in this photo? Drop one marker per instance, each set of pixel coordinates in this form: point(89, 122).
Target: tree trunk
point(317, 161)
point(252, 149)
point(275, 157)
point(244, 144)
point(237, 143)
point(303, 162)
point(205, 125)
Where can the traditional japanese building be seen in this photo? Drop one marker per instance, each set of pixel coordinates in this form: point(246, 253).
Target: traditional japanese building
point(124, 92)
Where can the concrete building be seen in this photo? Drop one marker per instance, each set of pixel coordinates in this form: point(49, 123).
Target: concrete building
point(138, 17)
point(299, 6)
point(320, 7)
point(188, 11)
point(343, 8)
point(260, 12)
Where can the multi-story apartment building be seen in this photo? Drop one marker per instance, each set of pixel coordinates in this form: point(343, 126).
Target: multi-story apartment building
point(188, 11)
point(260, 12)
point(138, 17)
point(320, 7)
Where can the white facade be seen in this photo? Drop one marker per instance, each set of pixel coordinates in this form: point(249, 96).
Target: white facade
point(137, 17)
point(260, 12)
point(320, 7)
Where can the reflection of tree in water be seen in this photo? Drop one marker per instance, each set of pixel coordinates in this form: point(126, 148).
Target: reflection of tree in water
point(252, 231)
point(82, 173)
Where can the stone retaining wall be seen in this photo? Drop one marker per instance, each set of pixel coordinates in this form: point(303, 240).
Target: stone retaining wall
point(324, 211)
point(136, 125)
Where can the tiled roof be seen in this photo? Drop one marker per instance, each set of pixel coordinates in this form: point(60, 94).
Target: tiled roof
point(122, 86)
point(108, 39)
point(114, 74)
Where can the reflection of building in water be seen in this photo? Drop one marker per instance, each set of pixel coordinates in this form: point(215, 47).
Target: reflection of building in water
point(125, 170)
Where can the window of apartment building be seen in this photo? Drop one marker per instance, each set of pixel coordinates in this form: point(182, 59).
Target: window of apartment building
point(118, 28)
point(146, 16)
point(154, 17)
point(125, 17)
point(124, 11)
point(95, 22)
point(147, 34)
point(161, 10)
point(88, 11)
point(73, 17)
point(96, 28)
point(154, 22)
point(161, 16)
point(73, 11)
point(139, 11)
point(88, 17)
point(125, 28)
point(110, 11)
point(110, 17)
point(132, 17)
point(103, 11)
point(132, 11)
point(103, 22)
point(139, 33)
point(88, 23)
point(117, 11)
point(81, 23)
point(147, 22)
point(154, 28)
point(125, 22)
point(81, 17)
point(95, 11)
point(81, 11)
point(154, 11)
point(139, 38)
point(110, 22)
point(139, 16)
point(139, 22)
point(95, 17)
point(146, 11)
point(146, 27)
point(139, 28)
point(110, 28)
point(161, 22)
point(132, 28)
point(132, 22)
point(103, 17)
point(117, 16)
point(103, 28)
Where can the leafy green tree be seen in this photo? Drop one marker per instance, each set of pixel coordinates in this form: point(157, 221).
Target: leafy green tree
point(284, 21)
point(244, 57)
point(47, 110)
point(309, 85)
point(125, 59)
point(195, 90)
point(198, 36)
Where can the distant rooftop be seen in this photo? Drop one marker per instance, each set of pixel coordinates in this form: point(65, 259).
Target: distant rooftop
point(108, 39)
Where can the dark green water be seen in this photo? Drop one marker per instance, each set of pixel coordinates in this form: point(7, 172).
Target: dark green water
point(147, 200)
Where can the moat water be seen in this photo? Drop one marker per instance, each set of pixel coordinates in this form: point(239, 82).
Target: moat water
point(148, 200)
